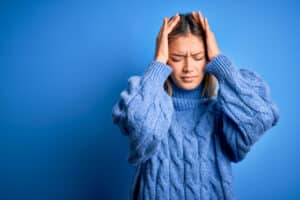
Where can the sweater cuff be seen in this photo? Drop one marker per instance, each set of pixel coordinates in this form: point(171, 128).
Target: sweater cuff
point(158, 72)
point(220, 66)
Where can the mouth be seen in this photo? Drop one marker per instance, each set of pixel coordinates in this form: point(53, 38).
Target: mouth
point(188, 79)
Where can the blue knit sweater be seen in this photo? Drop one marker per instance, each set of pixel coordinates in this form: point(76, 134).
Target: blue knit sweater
point(182, 145)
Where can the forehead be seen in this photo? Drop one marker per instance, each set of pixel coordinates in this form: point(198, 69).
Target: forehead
point(184, 44)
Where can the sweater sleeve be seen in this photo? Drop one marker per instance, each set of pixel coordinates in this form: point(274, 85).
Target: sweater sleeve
point(246, 109)
point(144, 111)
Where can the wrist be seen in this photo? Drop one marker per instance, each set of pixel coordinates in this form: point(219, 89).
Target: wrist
point(214, 55)
point(160, 59)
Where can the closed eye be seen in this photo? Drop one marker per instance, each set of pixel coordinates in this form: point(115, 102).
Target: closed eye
point(178, 60)
point(175, 60)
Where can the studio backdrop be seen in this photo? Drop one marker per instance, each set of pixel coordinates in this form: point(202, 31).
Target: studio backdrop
point(64, 63)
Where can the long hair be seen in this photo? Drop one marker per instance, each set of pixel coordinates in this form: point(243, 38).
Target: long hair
point(188, 25)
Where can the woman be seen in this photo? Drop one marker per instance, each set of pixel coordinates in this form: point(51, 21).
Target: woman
point(183, 136)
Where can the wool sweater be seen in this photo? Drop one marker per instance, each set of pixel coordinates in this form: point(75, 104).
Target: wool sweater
point(182, 146)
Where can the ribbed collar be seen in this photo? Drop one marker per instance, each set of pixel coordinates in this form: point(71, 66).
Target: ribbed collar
point(187, 99)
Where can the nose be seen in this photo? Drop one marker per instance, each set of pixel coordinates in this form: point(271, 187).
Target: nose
point(188, 65)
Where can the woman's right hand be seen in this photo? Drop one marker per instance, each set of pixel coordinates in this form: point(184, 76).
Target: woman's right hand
point(162, 52)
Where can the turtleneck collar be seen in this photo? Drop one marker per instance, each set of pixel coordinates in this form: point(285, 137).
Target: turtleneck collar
point(186, 99)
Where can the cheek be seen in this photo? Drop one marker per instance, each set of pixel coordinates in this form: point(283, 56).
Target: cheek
point(200, 66)
point(176, 72)
point(178, 66)
point(203, 66)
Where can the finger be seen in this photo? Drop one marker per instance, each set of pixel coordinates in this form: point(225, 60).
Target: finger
point(196, 17)
point(201, 19)
point(206, 24)
point(164, 26)
point(173, 24)
point(160, 30)
point(174, 19)
point(193, 15)
point(171, 20)
point(166, 21)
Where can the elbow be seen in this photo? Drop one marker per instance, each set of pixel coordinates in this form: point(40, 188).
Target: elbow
point(270, 118)
point(236, 154)
point(119, 118)
point(239, 156)
point(276, 114)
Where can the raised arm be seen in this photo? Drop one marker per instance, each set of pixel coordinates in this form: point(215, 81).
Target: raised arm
point(144, 112)
point(246, 109)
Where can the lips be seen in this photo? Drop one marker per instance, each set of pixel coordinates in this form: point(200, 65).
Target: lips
point(188, 78)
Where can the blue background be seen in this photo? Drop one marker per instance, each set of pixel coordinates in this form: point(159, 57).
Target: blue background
point(62, 68)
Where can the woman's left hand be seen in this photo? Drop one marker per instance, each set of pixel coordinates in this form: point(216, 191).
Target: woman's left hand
point(211, 42)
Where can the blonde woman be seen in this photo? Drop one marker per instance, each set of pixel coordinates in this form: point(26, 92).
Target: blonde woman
point(183, 134)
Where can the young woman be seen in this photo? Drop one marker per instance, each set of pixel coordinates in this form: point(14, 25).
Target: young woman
point(183, 135)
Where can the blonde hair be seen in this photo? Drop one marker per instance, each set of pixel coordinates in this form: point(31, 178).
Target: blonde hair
point(188, 25)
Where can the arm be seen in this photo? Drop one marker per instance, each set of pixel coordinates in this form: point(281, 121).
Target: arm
point(245, 107)
point(144, 111)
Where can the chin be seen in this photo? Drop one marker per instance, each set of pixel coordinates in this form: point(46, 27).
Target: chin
point(188, 86)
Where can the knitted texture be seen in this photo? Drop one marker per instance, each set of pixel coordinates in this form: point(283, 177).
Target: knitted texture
point(182, 146)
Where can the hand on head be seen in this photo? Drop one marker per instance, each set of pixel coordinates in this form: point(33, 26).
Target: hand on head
point(211, 42)
point(162, 52)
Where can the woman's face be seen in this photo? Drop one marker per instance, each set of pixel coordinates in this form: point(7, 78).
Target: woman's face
point(187, 58)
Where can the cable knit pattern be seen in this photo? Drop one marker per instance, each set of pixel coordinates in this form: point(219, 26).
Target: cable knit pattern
point(182, 145)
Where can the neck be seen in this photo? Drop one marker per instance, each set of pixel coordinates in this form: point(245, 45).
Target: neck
point(184, 99)
point(179, 92)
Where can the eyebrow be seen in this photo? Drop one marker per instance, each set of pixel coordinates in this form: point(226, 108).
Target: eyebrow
point(194, 54)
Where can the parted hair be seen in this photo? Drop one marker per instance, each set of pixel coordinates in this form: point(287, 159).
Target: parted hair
point(188, 25)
